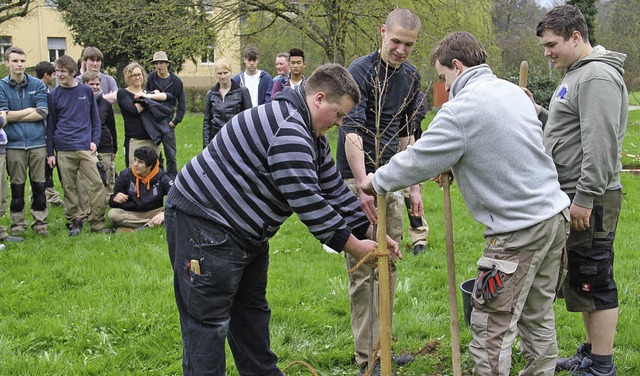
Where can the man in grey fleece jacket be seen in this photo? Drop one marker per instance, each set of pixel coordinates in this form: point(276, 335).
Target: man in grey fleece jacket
point(489, 136)
point(583, 132)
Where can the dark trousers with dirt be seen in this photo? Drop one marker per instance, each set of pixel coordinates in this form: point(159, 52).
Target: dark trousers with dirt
point(224, 300)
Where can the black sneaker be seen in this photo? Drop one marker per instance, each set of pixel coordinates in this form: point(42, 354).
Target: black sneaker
point(76, 227)
point(587, 368)
point(374, 372)
point(17, 231)
point(566, 364)
point(419, 248)
point(402, 359)
point(41, 230)
point(12, 239)
point(104, 230)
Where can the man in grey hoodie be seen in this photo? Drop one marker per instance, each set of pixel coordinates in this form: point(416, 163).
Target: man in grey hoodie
point(583, 132)
point(489, 136)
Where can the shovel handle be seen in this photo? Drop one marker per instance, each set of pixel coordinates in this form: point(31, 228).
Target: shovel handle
point(451, 279)
point(524, 74)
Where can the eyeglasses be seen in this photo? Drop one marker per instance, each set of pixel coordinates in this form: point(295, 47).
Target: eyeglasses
point(137, 75)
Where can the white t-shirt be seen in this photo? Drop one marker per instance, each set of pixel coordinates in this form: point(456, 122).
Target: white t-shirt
point(294, 84)
point(251, 83)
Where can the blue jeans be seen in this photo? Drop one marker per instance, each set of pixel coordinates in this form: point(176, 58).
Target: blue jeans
point(227, 300)
point(169, 145)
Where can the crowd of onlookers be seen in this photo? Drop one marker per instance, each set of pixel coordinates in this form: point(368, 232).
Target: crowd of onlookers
point(61, 121)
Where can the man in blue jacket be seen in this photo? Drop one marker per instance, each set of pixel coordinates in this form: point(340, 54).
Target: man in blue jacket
point(258, 82)
point(24, 99)
point(73, 130)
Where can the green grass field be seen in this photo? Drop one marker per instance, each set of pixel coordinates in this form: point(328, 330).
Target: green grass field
point(103, 304)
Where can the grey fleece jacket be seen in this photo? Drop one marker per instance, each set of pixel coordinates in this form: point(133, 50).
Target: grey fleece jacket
point(489, 136)
point(586, 123)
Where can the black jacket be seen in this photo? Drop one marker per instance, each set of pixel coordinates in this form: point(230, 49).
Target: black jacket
point(149, 199)
point(155, 119)
point(108, 139)
point(170, 85)
point(218, 111)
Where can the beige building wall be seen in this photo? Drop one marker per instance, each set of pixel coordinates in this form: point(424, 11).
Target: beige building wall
point(202, 74)
point(32, 33)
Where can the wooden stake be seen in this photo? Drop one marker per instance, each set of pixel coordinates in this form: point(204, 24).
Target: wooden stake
point(524, 74)
point(451, 280)
point(385, 289)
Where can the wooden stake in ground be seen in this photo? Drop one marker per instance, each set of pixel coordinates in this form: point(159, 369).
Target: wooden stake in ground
point(384, 292)
point(524, 74)
point(451, 280)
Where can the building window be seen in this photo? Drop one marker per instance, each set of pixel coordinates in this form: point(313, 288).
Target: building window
point(209, 55)
point(57, 48)
point(5, 43)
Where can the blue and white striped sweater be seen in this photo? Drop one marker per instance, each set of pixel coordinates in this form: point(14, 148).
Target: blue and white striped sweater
point(264, 165)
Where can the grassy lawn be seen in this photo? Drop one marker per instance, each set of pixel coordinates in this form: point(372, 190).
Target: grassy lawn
point(103, 304)
point(632, 140)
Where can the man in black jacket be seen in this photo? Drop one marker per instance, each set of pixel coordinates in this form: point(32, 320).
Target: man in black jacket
point(138, 196)
point(108, 146)
point(167, 82)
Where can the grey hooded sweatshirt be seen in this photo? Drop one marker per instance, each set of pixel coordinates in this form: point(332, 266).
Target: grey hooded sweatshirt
point(585, 125)
point(489, 136)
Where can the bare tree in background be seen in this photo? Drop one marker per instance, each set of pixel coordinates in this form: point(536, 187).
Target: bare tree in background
point(331, 24)
point(14, 8)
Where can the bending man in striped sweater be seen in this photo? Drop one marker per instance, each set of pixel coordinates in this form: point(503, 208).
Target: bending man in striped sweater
point(265, 164)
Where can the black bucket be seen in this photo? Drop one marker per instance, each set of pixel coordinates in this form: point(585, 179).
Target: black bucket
point(466, 288)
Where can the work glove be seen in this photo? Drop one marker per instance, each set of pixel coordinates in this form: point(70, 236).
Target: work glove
point(489, 283)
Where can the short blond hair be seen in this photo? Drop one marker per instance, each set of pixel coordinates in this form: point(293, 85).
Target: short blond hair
point(222, 63)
